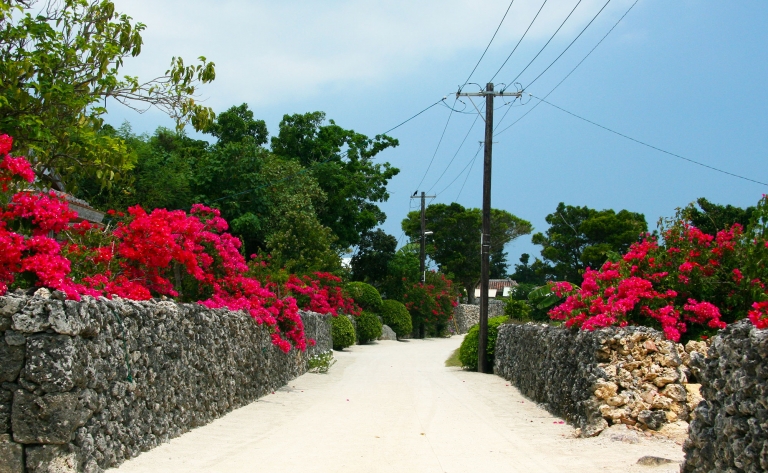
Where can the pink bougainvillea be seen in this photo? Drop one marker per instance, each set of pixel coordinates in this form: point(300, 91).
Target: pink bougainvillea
point(189, 256)
point(686, 282)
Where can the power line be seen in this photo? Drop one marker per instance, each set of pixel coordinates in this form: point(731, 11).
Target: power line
point(519, 41)
point(414, 116)
point(548, 41)
point(438, 143)
point(569, 74)
point(456, 153)
point(462, 171)
point(467, 177)
point(649, 145)
point(571, 44)
point(489, 44)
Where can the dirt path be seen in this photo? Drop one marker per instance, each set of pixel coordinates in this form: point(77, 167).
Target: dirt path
point(395, 407)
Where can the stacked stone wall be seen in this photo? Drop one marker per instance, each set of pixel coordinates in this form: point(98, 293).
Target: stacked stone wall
point(86, 385)
point(594, 379)
point(729, 431)
point(467, 315)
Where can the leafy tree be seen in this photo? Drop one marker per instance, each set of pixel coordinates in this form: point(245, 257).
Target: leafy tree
point(534, 273)
point(374, 252)
point(455, 243)
point(580, 237)
point(342, 162)
point(303, 245)
point(711, 218)
point(59, 63)
point(263, 197)
point(402, 272)
point(160, 177)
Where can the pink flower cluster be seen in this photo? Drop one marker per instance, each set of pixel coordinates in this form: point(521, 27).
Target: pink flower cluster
point(692, 280)
point(322, 294)
point(157, 253)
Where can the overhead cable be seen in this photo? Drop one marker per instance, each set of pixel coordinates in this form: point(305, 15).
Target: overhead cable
point(519, 41)
point(571, 44)
point(462, 171)
point(568, 75)
point(649, 145)
point(547, 43)
point(455, 154)
point(489, 44)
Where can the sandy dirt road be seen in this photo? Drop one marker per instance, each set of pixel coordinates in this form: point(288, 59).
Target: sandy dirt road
point(395, 407)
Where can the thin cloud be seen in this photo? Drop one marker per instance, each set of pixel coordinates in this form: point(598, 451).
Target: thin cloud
point(265, 50)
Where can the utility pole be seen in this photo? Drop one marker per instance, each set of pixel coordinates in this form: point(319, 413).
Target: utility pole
point(422, 250)
point(485, 242)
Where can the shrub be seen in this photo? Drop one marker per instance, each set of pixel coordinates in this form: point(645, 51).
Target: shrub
point(520, 310)
point(468, 349)
point(396, 316)
point(368, 327)
point(365, 295)
point(431, 305)
point(342, 332)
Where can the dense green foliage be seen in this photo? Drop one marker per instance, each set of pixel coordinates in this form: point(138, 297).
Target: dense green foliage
point(275, 204)
point(455, 243)
point(396, 316)
point(368, 327)
point(468, 349)
point(402, 272)
point(342, 332)
point(534, 273)
point(352, 182)
point(517, 309)
point(364, 295)
point(59, 64)
point(580, 237)
point(371, 260)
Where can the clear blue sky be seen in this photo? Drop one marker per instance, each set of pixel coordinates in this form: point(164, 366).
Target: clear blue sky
point(687, 76)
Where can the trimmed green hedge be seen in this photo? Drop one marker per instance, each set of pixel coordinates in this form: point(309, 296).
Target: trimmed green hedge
point(468, 349)
point(342, 332)
point(396, 316)
point(368, 327)
point(365, 295)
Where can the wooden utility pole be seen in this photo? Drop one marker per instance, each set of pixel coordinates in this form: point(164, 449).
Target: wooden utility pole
point(485, 242)
point(422, 250)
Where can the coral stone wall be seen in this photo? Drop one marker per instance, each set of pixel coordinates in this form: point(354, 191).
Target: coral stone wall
point(86, 385)
point(729, 431)
point(467, 315)
point(593, 379)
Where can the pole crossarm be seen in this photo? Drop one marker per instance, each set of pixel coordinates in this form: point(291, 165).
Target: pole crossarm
point(484, 93)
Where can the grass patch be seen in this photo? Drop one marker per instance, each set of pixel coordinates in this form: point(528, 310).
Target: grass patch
point(453, 360)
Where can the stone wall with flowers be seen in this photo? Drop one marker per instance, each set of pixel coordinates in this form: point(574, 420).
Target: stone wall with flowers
point(597, 378)
point(86, 385)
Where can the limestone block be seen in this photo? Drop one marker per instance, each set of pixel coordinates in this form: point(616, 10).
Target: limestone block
point(47, 419)
point(33, 318)
point(11, 360)
point(11, 456)
point(52, 459)
point(387, 333)
point(52, 362)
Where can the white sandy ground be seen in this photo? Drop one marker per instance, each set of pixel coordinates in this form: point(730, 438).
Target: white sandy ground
point(395, 407)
